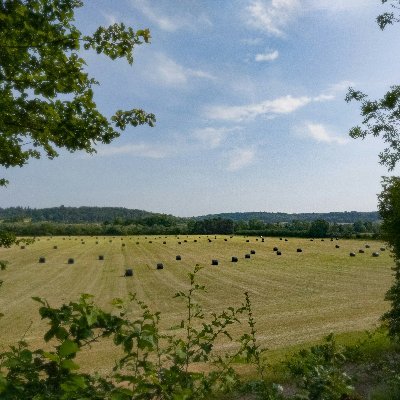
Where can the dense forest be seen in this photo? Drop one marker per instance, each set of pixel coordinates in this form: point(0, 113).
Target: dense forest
point(121, 221)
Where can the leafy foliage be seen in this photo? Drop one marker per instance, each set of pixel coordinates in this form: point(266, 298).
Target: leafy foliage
point(46, 97)
point(388, 18)
point(319, 372)
point(381, 117)
point(389, 208)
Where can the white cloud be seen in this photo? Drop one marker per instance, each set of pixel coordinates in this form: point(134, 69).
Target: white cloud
point(137, 150)
point(271, 16)
point(240, 158)
point(213, 137)
point(167, 22)
point(166, 71)
point(320, 133)
point(271, 56)
point(281, 105)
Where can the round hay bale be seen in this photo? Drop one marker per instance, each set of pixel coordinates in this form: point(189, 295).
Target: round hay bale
point(209, 240)
point(367, 246)
point(361, 251)
point(97, 242)
point(160, 266)
point(185, 241)
point(178, 258)
point(311, 240)
point(322, 240)
point(275, 249)
point(352, 254)
point(383, 249)
point(252, 252)
point(195, 240)
point(128, 272)
point(101, 257)
point(286, 240)
point(262, 240)
point(234, 259)
point(214, 262)
point(55, 247)
point(278, 253)
point(82, 242)
point(247, 256)
point(375, 254)
point(337, 246)
point(256, 239)
point(22, 247)
point(71, 261)
point(225, 240)
point(150, 241)
point(280, 238)
point(299, 250)
point(110, 241)
point(123, 245)
point(42, 260)
point(137, 243)
point(164, 242)
point(179, 242)
point(247, 241)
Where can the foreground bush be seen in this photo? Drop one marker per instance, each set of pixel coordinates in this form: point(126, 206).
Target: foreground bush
point(153, 365)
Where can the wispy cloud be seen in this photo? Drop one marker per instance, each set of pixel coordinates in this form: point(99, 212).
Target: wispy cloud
point(271, 108)
point(136, 150)
point(333, 91)
point(167, 22)
point(252, 41)
point(271, 16)
point(269, 56)
point(168, 72)
point(214, 137)
point(336, 5)
point(320, 133)
point(111, 19)
point(240, 158)
point(281, 105)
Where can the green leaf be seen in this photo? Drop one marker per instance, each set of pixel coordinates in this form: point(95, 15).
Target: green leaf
point(69, 364)
point(67, 348)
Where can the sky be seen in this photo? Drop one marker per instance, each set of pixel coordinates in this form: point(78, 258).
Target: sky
point(249, 100)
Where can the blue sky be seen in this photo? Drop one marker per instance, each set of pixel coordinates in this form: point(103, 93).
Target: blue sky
point(249, 100)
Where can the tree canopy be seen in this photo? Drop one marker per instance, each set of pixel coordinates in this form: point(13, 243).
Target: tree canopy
point(46, 96)
point(381, 117)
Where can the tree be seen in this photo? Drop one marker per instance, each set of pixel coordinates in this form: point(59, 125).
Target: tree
point(319, 228)
point(46, 96)
point(381, 117)
point(389, 208)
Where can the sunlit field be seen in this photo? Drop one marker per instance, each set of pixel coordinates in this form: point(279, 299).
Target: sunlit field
point(296, 296)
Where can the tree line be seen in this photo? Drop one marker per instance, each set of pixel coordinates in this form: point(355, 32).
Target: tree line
point(165, 225)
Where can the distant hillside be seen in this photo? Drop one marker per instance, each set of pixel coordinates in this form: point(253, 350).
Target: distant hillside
point(72, 214)
point(268, 217)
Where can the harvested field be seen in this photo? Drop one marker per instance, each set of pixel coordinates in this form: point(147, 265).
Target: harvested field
point(297, 297)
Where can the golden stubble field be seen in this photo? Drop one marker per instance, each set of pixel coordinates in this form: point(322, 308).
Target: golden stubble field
point(296, 297)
